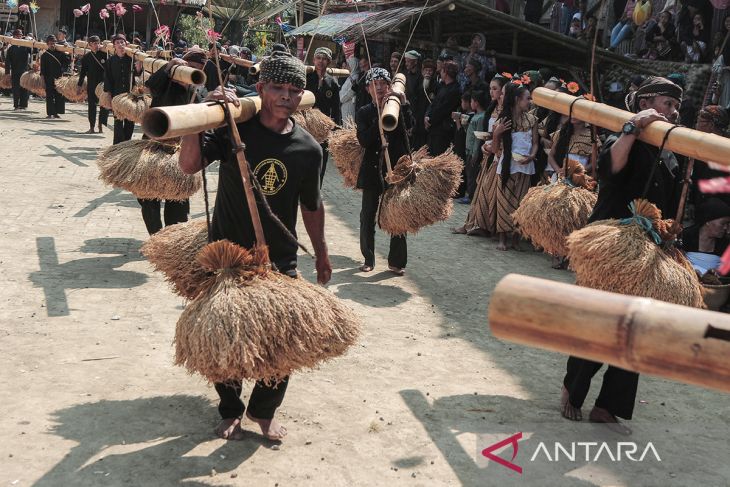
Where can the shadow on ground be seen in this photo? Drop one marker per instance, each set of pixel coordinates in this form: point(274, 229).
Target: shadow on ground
point(147, 441)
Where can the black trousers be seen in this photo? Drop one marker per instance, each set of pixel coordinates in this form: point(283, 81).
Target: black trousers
point(398, 253)
point(325, 156)
point(439, 141)
point(20, 94)
point(175, 212)
point(93, 101)
point(618, 391)
point(55, 103)
point(263, 402)
point(123, 130)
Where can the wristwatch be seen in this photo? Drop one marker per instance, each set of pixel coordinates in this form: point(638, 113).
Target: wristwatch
point(630, 128)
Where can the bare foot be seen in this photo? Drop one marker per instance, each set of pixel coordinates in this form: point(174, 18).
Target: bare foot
point(270, 428)
point(100, 130)
point(90, 131)
point(459, 230)
point(230, 429)
point(502, 246)
point(568, 410)
point(600, 415)
point(366, 268)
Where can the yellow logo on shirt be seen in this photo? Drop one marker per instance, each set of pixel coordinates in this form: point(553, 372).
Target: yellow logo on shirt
point(271, 175)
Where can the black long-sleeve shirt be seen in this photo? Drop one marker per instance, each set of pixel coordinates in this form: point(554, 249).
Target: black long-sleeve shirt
point(53, 65)
point(373, 169)
point(447, 100)
point(118, 74)
point(92, 69)
point(327, 96)
point(17, 60)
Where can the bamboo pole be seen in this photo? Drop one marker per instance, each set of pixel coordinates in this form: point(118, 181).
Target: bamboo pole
point(152, 64)
point(689, 142)
point(336, 72)
point(176, 121)
point(391, 109)
point(244, 63)
point(676, 342)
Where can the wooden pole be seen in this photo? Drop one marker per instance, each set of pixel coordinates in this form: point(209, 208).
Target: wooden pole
point(689, 142)
point(391, 109)
point(652, 337)
point(176, 121)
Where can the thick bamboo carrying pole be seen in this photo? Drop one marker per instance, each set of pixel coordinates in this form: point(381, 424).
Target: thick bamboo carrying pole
point(152, 64)
point(244, 63)
point(176, 121)
point(685, 141)
point(42, 45)
point(336, 72)
point(391, 110)
point(653, 337)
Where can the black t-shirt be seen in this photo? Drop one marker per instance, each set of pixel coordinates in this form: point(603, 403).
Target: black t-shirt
point(616, 191)
point(287, 168)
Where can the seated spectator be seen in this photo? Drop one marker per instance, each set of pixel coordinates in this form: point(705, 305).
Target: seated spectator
point(624, 28)
point(469, 79)
point(575, 30)
point(477, 52)
point(661, 38)
point(694, 43)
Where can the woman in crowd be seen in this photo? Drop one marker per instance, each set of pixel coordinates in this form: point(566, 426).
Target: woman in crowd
point(515, 144)
point(482, 216)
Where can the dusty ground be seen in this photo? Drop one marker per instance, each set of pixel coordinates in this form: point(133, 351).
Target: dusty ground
point(90, 395)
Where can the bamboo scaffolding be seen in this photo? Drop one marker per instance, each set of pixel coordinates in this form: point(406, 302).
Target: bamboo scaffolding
point(176, 121)
point(652, 337)
point(688, 142)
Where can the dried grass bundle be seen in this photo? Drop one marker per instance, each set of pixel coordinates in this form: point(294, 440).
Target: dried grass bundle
point(105, 98)
point(250, 322)
point(6, 80)
point(420, 192)
point(173, 251)
point(315, 122)
point(69, 88)
point(347, 152)
point(621, 257)
point(548, 214)
point(131, 106)
point(33, 82)
point(148, 169)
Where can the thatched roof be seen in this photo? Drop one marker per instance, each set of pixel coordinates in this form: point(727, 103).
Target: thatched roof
point(512, 38)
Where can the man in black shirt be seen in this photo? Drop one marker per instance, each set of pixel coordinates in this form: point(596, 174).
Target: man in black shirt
point(211, 69)
point(627, 169)
point(416, 97)
point(168, 92)
point(117, 81)
point(362, 97)
point(285, 160)
point(372, 170)
point(326, 92)
point(438, 117)
point(53, 65)
point(17, 60)
point(92, 68)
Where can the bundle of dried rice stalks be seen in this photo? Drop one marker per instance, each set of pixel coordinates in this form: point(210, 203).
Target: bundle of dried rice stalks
point(6, 81)
point(548, 214)
point(173, 251)
point(131, 106)
point(420, 192)
point(315, 122)
point(105, 98)
point(250, 322)
point(33, 82)
point(347, 152)
point(69, 88)
point(148, 169)
point(623, 256)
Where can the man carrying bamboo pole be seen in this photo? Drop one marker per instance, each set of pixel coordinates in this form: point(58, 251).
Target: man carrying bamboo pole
point(285, 161)
point(370, 179)
point(53, 64)
point(92, 68)
point(17, 60)
point(627, 169)
point(118, 81)
point(326, 92)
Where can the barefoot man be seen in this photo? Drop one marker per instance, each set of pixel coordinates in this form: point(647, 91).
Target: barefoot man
point(627, 170)
point(285, 160)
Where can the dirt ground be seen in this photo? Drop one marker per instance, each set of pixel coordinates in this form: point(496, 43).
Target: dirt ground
point(90, 396)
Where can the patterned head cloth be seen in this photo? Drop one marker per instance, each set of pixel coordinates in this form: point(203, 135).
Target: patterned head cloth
point(375, 74)
point(323, 51)
point(282, 67)
point(651, 87)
